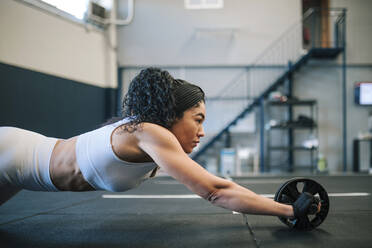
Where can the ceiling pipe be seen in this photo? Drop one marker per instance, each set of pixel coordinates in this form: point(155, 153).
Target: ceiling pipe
point(126, 21)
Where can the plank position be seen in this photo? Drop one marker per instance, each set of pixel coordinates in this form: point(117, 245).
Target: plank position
point(162, 122)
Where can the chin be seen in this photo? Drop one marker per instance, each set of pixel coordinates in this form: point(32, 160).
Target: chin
point(188, 151)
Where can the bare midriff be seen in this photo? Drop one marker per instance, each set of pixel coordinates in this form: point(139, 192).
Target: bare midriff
point(64, 170)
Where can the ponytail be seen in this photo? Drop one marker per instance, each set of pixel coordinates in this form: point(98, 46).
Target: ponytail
point(155, 96)
point(150, 98)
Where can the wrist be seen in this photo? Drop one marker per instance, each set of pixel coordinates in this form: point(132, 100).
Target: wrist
point(286, 210)
point(290, 211)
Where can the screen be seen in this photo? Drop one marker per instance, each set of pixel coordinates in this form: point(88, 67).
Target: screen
point(363, 93)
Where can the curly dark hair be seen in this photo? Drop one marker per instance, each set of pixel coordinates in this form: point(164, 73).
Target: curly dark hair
point(155, 96)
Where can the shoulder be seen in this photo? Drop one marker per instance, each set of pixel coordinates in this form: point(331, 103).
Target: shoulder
point(151, 127)
point(150, 135)
point(150, 131)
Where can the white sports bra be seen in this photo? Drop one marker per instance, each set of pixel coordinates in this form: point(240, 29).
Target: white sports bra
point(102, 168)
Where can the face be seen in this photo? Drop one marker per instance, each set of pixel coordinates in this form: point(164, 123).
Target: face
point(189, 129)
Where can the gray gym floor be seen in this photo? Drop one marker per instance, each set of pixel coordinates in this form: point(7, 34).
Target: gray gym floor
point(66, 219)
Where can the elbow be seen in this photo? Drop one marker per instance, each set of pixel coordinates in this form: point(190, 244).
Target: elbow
point(219, 193)
point(214, 196)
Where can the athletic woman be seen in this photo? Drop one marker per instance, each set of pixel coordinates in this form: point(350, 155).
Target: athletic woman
point(162, 122)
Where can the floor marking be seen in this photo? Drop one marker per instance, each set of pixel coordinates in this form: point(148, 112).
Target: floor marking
point(245, 181)
point(198, 197)
point(152, 196)
point(349, 194)
point(268, 195)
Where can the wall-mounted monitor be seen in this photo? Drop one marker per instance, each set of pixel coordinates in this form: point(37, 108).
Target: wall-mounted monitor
point(363, 93)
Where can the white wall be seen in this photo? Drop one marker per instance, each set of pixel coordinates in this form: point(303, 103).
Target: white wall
point(358, 29)
point(324, 83)
point(40, 41)
point(163, 32)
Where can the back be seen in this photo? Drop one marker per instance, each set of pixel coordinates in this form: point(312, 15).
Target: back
point(102, 168)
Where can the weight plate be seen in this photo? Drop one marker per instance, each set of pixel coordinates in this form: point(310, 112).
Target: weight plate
point(291, 190)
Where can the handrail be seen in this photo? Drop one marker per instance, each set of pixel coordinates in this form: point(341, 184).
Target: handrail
point(253, 104)
point(307, 13)
point(275, 52)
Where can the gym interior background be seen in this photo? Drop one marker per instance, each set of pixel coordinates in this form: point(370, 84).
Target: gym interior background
point(269, 68)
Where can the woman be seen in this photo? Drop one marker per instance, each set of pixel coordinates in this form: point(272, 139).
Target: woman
point(162, 123)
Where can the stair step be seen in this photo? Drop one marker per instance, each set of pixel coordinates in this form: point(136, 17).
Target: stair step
point(325, 53)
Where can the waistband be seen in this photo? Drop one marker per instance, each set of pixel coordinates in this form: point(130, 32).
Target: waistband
point(42, 154)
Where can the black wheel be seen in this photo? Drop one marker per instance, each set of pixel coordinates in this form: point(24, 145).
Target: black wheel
point(291, 190)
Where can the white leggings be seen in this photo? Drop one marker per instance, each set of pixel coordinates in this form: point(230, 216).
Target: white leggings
point(24, 162)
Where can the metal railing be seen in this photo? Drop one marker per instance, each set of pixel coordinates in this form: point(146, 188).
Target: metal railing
point(323, 28)
point(293, 46)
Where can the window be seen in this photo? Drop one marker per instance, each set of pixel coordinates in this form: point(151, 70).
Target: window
point(74, 10)
point(73, 7)
point(203, 4)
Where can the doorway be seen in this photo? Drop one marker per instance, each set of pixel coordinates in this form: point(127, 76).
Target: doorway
point(316, 31)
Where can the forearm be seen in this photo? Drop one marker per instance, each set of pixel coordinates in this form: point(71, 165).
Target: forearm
point(240, 199)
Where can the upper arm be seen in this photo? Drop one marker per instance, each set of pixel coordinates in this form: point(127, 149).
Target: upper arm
point(166, 151)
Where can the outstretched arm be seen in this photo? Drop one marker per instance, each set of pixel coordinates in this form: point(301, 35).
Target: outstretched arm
point(165, 150)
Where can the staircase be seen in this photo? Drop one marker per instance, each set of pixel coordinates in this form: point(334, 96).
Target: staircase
point(288, 56)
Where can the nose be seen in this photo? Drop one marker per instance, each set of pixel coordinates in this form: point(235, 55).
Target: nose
point(201, 132)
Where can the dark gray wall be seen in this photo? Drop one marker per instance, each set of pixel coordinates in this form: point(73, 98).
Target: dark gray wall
point(51, 105)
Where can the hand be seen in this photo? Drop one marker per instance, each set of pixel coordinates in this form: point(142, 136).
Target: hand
point(316, 206)
point(306, 204)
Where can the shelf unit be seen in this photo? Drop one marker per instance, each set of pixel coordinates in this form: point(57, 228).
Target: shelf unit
point(291, 128)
